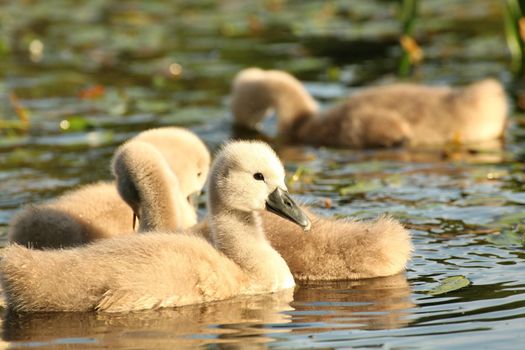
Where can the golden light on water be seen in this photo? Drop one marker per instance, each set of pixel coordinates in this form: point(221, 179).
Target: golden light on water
point(175, 69)
point(36, 50)
point(64, 124)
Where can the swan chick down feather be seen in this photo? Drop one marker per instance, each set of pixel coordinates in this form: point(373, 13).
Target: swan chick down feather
point(165, 270)
point(97, 211)
point(332, 250)
point(336, 249)
point(341, 249)
point(384, 116)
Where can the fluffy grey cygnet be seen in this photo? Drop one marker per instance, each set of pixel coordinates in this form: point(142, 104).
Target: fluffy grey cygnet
point(382, 116)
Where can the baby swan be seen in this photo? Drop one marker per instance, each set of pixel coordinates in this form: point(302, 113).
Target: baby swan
point(147, 184)
point(381, 116)
point(339, 249)
point(156, 270)
point(333, 250)
point(97, 211)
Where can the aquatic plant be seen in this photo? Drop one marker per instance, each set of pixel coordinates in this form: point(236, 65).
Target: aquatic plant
point(412, 53)
point(515, 33)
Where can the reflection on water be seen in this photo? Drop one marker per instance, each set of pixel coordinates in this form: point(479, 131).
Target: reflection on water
point(185, 326)
point(379, 303)
point(109, 69)
point(374, 304)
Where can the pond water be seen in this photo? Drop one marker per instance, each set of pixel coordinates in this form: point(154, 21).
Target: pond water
point(91, 74)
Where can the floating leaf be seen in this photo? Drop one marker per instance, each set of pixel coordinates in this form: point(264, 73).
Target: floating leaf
point(298, 174)
point(76, 123)
point(395, 180)
point(191, 115)
point(118, 108)
point(334, 73)
point(507, 238)
point(12, 125)
point(450, 284)
point(361, 186)
point(509, 219)
point(153, 106)
point(304, 64)
point(116, 102)
point(98, 138)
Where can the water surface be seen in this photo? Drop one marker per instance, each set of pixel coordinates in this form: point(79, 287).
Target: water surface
point(92, 74)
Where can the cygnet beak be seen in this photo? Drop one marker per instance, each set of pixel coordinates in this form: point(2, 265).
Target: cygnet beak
point(279, 202)
point(193, 199)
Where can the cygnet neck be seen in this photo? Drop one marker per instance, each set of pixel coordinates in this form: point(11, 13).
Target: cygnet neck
point(159, 210)
point(239, 235)
point(150, 188)
point(236, 233)
point(292, 103)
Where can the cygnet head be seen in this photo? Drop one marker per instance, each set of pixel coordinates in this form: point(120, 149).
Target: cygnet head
point(185, 153)
point(487, 95)
point(248, 176)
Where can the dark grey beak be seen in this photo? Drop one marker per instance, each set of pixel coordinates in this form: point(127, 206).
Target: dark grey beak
point(193, 199)
point(279, 202)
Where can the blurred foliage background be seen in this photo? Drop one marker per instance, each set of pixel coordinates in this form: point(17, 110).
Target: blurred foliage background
point(126, 57)
point(79, 77)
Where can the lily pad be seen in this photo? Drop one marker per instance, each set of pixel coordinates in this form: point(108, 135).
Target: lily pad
point(361, 186)
point(75, 124)
point(512, 237)
point(298, 175)
point(450, 284)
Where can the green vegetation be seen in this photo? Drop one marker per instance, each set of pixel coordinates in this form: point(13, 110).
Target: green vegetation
point(450, 284)
point(412, 53)
point(515, 33)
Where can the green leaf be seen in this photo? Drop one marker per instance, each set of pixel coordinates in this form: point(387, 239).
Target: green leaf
point(298, 174)
point(361, 186)
point(153, 106)
point(76, 123)
point(409, 11)
point(509, 219)
point(450, 284)
point(512, 14)
point(507, 238)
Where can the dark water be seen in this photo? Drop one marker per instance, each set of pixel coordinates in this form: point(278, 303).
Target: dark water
point(112, 68)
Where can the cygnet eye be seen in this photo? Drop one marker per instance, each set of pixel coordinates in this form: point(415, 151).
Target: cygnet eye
point(258, 176)
point(199, 174)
